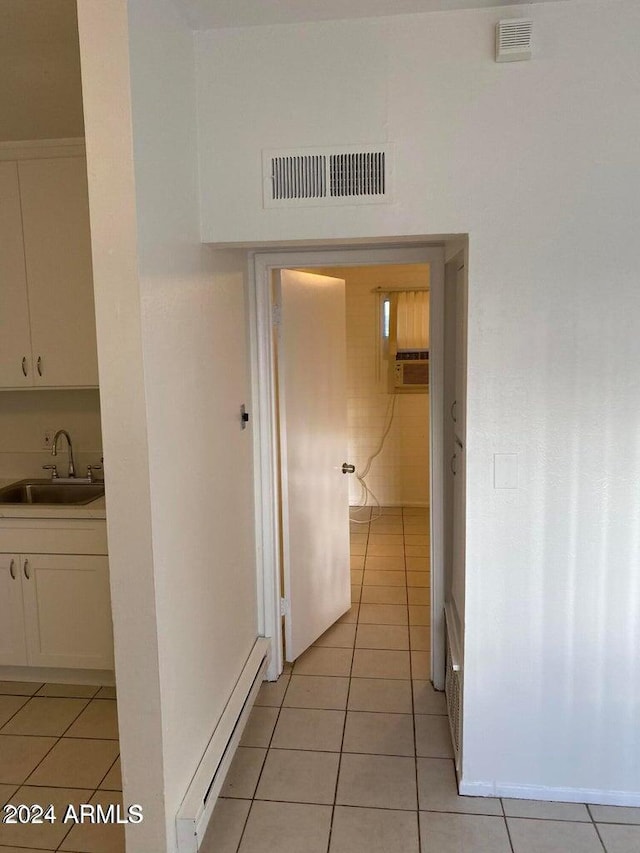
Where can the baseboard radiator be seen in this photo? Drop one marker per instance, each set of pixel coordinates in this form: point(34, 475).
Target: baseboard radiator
point(453, 683)
point(196, 808)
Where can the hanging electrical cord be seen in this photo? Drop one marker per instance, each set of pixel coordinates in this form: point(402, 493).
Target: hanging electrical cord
point(366, 492)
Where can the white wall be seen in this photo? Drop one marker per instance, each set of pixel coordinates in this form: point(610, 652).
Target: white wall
point(538, 162)
point(399, 476)
point(185, 326)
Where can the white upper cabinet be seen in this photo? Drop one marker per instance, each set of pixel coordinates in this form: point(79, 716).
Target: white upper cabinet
point(15, 334)
point(46, 284)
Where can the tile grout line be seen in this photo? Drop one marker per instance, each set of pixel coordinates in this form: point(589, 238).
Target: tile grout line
point(17, 711)
point(58, 738)
point(346, 707)
point(349, 752)
point(64, 838)
point(328, 805)
point(413, 705)
point(506, 824)
point(72, 737)
point(597, 828)
point(264, 761)
point(430, 810)
point(107, 773)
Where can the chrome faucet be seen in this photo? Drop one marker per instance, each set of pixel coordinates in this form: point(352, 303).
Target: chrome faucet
point(54, 450)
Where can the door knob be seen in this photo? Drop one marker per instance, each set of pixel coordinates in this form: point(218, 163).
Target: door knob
point(348, 469)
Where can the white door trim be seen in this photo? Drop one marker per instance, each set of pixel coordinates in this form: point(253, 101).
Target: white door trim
point(266, 494)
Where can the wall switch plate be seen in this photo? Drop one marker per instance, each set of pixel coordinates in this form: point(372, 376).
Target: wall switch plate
point(47, 439)
point(505, 470)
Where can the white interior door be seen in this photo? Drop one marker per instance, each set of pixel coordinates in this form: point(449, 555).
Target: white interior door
point(312, 405)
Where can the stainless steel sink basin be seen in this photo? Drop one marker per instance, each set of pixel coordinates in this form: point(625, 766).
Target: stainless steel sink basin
point(50, 492)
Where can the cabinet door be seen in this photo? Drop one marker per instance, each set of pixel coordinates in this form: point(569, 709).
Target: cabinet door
point(15, 337)
point(55, 211)
point(13, 649)
point(67, 610)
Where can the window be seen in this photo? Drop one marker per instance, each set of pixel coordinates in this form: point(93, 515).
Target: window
point(386, 317)
point(404, 337)
point(412, 321)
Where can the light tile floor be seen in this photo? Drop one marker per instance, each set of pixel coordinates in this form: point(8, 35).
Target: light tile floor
point(349, 751)
point(59, 745)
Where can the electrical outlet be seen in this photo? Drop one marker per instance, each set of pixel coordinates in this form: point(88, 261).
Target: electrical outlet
point(47, 439)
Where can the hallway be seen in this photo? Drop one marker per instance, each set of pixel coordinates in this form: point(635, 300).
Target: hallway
point(330, 748)
point(350, 752)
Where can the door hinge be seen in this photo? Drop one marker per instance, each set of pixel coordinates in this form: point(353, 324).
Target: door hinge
point(284, 607)
point(276, 315)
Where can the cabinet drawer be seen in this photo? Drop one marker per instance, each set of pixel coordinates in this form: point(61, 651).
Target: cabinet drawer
point(53, 536)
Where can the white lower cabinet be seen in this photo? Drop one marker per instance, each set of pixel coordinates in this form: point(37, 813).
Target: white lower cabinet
point(67, 611)
point(13, 640)
point(55, 609)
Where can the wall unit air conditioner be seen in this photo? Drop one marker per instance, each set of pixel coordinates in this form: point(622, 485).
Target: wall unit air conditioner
point(410, 372)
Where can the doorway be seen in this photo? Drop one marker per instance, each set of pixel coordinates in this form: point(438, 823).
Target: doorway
point(267, 425)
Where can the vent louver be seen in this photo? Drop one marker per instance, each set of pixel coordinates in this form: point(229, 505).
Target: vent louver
point(327, 176)
point(298, 177)
point(513, 40)
point(357, 174)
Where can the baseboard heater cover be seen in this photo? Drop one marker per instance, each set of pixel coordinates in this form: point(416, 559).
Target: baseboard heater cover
point(453, 683)
point(199, 801)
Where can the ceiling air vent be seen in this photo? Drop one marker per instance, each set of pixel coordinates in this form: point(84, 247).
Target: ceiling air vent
point(327, 176)
point(513, 40)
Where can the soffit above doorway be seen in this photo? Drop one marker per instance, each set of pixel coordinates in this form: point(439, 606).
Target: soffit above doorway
point(214, 14)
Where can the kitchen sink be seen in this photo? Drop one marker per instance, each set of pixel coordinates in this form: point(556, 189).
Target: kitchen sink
point(50, 492)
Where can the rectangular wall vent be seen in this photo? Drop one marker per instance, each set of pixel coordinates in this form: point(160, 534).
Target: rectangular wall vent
point(513, 39)
point(327, 176)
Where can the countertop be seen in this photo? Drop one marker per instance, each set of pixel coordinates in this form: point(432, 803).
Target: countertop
point(95, 509)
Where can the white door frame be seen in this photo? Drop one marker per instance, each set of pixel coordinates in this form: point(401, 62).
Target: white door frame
point(266, 495)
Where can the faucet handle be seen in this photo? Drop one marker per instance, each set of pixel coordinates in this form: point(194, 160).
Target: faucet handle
point(53, 469)
point(91, 469)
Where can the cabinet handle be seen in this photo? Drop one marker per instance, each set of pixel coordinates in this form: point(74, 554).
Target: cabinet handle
point(12, 569)
point(453, 464)
point(24, 365)
point(39, 365)
point(453, 411)
point(26, 570)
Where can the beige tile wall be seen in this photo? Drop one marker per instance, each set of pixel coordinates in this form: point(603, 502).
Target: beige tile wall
point(400, 475)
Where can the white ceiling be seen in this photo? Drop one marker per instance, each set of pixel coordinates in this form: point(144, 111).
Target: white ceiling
point(210, 14)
